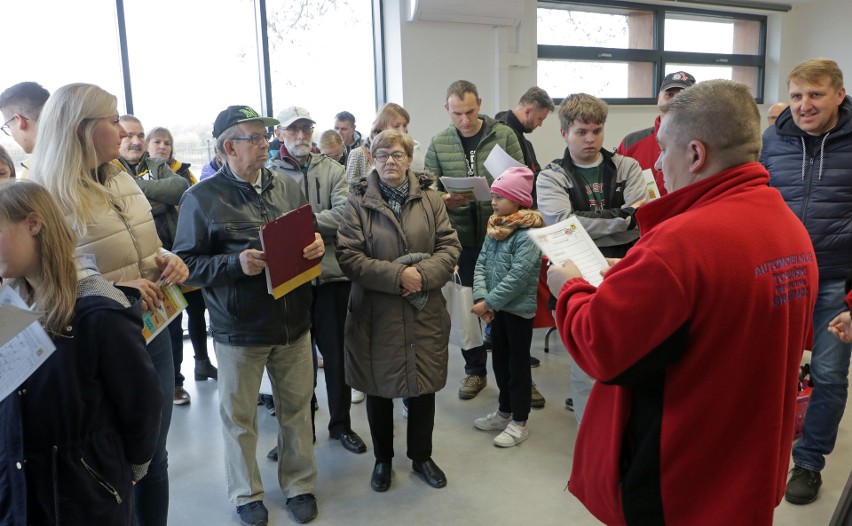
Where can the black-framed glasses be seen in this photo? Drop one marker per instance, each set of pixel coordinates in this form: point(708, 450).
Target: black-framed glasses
point(397, 157)
point(6, 129)
point(257, 140)
point(306, 129)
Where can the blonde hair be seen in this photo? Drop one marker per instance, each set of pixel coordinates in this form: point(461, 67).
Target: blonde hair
point(386, 115)
point(65, 159)
point(56, 294)
point(812, 71)
point(159, 131)
point(330, 139)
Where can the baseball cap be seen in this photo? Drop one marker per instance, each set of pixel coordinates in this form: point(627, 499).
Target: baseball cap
point(678, 79)
point(290, 115)
point(236, 114)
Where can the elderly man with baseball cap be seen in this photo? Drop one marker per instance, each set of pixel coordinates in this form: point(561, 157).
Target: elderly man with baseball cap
point(323, 180)
point(218, 237)
point(642, 145)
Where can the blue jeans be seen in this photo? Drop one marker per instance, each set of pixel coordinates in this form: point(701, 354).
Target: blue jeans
point(830, 373)
point(152, 492)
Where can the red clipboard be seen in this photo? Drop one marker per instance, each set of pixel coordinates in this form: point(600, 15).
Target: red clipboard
point(283, 241)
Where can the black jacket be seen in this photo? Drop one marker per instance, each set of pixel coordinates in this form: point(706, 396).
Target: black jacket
point(219, 218)
point(90, 412)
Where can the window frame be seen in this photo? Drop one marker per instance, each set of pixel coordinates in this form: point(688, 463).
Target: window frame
point(658, 56)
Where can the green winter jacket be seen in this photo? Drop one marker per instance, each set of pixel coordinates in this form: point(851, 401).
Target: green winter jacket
point(506, 274)
point(446, 158)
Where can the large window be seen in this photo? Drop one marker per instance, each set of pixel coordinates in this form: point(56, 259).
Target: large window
point(40, 45)
point(621, 51)
point(321, 58)
point(186, 67)
point(189, 59)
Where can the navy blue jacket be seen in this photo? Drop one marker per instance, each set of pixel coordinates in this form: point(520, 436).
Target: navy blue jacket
point(814, 175)
point(90, 413)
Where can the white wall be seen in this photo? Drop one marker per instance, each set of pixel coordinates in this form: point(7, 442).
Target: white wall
point(423, 58)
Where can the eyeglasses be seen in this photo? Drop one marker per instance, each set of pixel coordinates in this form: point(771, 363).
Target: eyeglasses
point(306, 129)
point(257, 140)
point(397, 157)
point(6, 129)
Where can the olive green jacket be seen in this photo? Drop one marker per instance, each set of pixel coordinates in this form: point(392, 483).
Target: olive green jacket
point(446, 158)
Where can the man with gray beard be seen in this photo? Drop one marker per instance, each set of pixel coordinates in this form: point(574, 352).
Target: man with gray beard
point(323, 181)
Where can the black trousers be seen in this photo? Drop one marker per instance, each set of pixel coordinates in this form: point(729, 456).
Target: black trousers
point(511, 337)
point(476, 359)
point(328, 316)
point(421, 422)
point(197, 332)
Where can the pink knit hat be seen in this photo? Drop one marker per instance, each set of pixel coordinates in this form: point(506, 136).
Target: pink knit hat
point(515, 185)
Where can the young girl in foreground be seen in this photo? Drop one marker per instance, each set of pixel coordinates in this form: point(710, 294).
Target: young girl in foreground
point(90, 414)
point(504, 294)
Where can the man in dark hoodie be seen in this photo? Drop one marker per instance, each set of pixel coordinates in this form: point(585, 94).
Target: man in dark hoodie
point(808, 153)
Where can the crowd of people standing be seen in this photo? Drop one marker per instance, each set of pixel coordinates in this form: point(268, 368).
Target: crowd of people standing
point(102, 218)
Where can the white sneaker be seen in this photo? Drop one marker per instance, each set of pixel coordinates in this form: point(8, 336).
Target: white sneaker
point(357, 396)
point(512, 436)
point(492, 422)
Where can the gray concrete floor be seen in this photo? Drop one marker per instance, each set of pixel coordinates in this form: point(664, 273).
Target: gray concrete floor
point(486, 485)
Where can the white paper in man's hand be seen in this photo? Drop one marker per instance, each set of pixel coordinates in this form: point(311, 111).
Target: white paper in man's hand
point(471, 188)
point(569, 240)
point(498, 161)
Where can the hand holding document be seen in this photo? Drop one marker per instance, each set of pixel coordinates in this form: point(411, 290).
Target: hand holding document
point(499, 161)
point(24, 345)
point(471, 188)
point(568, 240)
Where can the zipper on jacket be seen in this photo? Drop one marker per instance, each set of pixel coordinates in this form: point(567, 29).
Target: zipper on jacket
point(806, 197)
point(54, 452)
point(102, 481)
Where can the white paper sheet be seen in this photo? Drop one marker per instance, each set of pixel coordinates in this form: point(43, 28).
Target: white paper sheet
point(569, 240)
point(24, 345)
point(499, 161)
point(472, 188)
point(652, 191)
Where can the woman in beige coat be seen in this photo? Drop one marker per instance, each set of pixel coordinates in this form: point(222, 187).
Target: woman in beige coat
point(396, 244)
point(79, 136)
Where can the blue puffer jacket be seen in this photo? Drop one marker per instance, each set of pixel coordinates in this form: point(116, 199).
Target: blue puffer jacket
point(506, 274)
point(814, 175)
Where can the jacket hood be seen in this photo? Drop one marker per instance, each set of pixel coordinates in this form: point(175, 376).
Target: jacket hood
point(424, 179)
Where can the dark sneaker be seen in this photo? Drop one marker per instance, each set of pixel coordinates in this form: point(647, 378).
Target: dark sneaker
point(803, 486)
point(273, 454)
point(536, 398)
point(569, 404)
point(534, 362)
point(303, 507)
point(471, 385)
point(253, 514)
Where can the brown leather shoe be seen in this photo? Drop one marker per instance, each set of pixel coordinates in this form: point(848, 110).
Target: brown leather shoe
point(181, 396)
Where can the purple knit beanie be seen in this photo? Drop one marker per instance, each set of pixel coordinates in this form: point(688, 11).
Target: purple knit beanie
point(515, 185)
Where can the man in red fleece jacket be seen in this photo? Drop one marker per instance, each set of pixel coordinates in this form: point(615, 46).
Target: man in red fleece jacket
point(697, 334)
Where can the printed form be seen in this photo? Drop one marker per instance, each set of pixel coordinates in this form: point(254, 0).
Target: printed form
point(569, 240)
point(24, 345)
